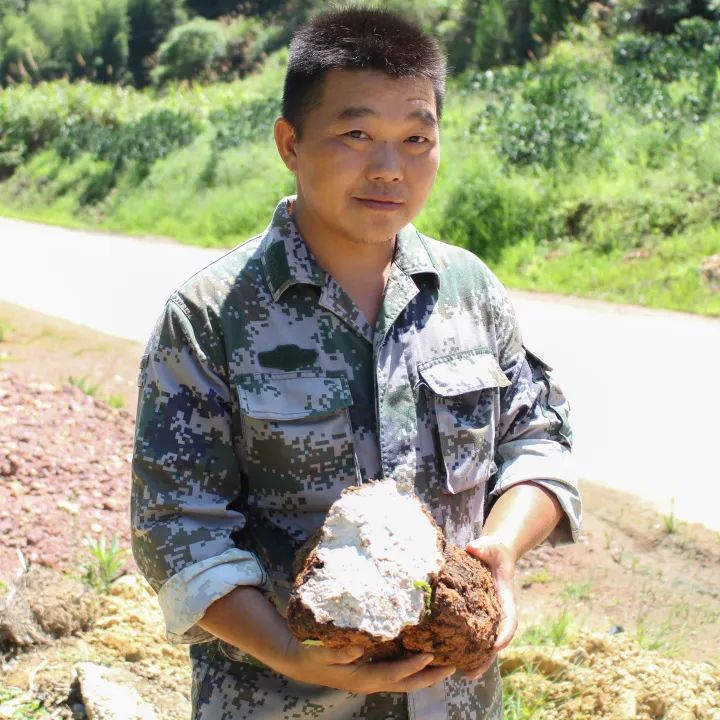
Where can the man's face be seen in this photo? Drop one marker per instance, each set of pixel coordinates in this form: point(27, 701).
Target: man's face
point(368, 155)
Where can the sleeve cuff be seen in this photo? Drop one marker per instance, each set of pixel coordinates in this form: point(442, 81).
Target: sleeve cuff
point(186, 596)
point(550, 466)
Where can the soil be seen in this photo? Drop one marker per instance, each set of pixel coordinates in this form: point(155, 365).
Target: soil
point(640, 593)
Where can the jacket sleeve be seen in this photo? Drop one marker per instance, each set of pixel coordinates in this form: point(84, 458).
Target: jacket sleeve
point(534, 438)
point(185, 473)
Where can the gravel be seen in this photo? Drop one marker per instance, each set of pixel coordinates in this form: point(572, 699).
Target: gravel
point(64, 475)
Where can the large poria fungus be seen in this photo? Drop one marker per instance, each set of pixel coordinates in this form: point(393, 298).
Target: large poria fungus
point(381, 575)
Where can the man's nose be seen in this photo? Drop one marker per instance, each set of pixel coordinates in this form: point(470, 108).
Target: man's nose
point(385, 163)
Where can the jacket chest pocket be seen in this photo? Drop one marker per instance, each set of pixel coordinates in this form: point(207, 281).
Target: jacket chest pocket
point(464, 391)
point(298, 440)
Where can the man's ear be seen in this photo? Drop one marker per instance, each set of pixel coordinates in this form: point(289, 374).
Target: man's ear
point(285, 140)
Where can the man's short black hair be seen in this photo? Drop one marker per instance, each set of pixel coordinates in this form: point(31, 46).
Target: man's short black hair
point(357, 39)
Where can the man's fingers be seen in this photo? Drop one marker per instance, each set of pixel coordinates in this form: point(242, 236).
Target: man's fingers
point(506, 631)
point(338, 656)
point(395, 671)
point(424, 679)
point(479, 672)
point(401, 669)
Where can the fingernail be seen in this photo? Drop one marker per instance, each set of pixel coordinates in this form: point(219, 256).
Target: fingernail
point(428, 658)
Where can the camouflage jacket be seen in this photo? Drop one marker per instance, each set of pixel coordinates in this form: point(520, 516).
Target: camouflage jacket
point(264, 392)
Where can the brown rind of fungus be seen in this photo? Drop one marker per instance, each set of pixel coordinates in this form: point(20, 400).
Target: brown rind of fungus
point(459, 630)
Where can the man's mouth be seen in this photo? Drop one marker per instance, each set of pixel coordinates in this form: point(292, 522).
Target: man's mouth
point(380, 203)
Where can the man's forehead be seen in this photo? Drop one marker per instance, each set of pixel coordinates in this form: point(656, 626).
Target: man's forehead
point(350, 112)
point(356, 93)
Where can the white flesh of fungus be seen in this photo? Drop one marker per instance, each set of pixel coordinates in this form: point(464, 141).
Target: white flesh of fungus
point(378, 549)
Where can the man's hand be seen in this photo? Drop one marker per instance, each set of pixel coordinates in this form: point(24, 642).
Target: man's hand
point(246, 619)
point(336, 668)
point(521, 518)
point(501, 562)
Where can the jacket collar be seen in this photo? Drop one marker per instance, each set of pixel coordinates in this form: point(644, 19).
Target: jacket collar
point(288, 260)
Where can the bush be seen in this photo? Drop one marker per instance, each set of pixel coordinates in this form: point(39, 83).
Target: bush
point(697, 34)
point(648, 64)
point(190, 51)
point(155, 135)
point(549, 123)
point(244, 123)
point(140, 143)
point(485, 210)
point(29, 121)
point(661, 16)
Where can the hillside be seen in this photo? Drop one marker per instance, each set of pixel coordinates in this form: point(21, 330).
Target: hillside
point(592, 169)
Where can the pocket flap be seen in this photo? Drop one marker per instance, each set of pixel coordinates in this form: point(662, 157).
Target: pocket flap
point(463, 373)
point(292, 398)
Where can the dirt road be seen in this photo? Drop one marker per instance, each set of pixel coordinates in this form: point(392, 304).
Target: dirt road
point(641, 382)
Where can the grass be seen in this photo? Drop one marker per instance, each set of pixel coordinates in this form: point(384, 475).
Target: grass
point(82, 383)
point(17, 705)
point(577, 591)
point(540, 577)
point(116, 401)
point(662, 636)
point(608, 539)
point(516, 704)
point(553, 631)
point(104, 564)
point(5, 329)
point(670, 522)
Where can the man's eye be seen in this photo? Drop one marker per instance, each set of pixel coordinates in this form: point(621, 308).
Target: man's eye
point(417, 139)
point(356, 134)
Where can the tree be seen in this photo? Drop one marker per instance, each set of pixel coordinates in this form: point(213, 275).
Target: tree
point(20, 49)
point(150, 23)
point(11, 7)
point(213, 9)
point(110, 40)
point(190, 51)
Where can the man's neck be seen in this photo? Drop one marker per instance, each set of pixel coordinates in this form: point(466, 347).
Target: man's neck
point(340, 255)
point(361, 269)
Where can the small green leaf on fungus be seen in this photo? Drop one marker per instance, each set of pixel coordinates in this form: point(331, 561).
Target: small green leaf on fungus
point(427, 589)
point(313, 642)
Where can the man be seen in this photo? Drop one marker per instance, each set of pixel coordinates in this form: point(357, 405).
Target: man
point(339, 346)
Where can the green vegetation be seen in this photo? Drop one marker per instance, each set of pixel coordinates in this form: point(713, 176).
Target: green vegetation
point(116, 401)
point(427, 589)
point(592, 169)
point(105, 562)
point(81, 383)
point(156, 41)
point(670, 522)
point(5, 330)
point(540, 577)
point(17, 705)
point(577, 591)
point(518, 704)
point(554, 631)
point(662, 635)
